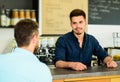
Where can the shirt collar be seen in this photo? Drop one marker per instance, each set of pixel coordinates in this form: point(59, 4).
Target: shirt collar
point(76, 37)
point(21, 50)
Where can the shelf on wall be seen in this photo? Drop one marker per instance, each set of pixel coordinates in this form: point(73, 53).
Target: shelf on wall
point(6, 26)
point(23, 4)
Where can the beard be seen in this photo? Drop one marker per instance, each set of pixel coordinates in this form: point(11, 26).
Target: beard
point(36, 47)
point(36, 50)
point(78, 33)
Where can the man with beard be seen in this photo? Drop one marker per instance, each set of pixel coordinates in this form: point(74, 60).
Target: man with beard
point(21, 65)
point(75, 49)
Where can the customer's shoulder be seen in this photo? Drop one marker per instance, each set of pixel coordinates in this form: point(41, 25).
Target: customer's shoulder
point(43, 65)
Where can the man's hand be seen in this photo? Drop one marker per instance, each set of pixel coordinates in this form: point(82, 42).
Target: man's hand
point(77, 66)
point(111, 64)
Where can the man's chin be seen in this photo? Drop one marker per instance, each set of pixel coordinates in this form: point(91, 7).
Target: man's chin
point(78, 33)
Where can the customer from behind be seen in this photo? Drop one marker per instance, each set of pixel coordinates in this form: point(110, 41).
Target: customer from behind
point(21, 65)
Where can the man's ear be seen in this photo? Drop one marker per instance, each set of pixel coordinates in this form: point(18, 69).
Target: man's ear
point(34, 38)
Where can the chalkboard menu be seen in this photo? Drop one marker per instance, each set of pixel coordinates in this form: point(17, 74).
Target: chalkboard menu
point(106, 12)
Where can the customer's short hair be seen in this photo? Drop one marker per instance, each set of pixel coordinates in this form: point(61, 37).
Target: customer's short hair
point(24, 31)
point(77, 12)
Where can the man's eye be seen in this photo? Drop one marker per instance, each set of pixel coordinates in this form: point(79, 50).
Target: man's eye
point(80, 21)
point(74, 22)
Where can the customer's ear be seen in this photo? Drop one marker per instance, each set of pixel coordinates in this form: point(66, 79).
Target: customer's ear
point(34, 38)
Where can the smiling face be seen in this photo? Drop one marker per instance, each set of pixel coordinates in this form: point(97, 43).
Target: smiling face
point(78, 24)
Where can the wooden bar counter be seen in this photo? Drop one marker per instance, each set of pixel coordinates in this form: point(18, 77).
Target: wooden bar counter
point(92, 74)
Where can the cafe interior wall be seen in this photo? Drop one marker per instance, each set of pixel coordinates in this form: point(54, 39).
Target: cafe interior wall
point(7, 41)
point(6, 36)
point(104, 34)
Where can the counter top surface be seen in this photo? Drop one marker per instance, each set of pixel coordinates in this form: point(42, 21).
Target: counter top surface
point(59, 73)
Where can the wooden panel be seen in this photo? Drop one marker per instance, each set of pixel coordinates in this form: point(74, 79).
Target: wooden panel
point(95, 80)
point(55, 15)
point(92, 79)
point(115, 80)
point(57, 81)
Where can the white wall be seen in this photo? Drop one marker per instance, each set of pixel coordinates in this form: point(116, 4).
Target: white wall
point(103, 33)
point(6, 35)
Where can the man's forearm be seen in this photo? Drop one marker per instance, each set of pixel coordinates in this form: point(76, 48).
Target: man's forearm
point(62, 64)
point(108, 59)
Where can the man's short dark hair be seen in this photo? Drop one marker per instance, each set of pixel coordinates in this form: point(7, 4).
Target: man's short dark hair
point(77, 12)
point(24, 30)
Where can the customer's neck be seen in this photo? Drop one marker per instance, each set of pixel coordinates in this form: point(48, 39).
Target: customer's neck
point(28, 48)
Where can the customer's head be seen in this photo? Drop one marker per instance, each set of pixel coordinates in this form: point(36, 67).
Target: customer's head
point(26, 30)
point(77, 12)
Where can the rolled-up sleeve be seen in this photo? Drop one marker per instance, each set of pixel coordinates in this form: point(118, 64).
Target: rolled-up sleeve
point(60, 50)
point(99, 51)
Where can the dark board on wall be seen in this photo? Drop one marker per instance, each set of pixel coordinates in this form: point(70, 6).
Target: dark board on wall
point(16, 4)
point(106, 12)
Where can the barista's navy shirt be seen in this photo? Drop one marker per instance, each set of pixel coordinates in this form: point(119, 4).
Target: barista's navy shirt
point(68, 49)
